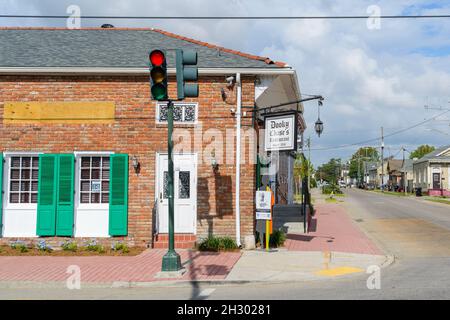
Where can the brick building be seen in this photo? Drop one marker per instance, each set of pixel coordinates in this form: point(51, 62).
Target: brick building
point(84, 147)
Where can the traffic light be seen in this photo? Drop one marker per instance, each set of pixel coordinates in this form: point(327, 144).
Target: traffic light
point(186, 61)
point(158, 75)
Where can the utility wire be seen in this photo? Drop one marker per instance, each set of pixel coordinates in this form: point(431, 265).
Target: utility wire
point(385, 136)
point(430, 16)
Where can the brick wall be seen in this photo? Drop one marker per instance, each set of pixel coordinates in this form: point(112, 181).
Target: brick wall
point(135, 132)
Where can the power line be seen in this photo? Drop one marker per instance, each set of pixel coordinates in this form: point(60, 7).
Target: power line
point(376, 139)
point(430, 16)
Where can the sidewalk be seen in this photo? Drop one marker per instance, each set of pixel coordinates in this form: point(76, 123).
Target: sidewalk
point(141, 268)
point(334, 247)
point(332, 230)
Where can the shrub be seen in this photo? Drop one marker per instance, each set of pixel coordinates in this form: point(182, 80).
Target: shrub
point(217, 244)
point(69, 246)
point(277, 239)
point(94, 246)
point(120, 246)
point(19, 245)
point(331, 188)
point(43, 246)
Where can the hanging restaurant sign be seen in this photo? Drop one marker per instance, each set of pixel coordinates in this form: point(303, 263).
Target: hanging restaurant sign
point(280, 132)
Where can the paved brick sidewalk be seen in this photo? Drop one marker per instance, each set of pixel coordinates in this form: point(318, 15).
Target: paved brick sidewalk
point(141, 268)
point(332, 230)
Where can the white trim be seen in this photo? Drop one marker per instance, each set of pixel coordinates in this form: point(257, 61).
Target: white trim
point(91, 153)
point(77, 199)
point(7, 185)
point(11, 210)
point(83, 209)
point(158, 120)
point(21, 153)
point(142, 71)
point(441, 153)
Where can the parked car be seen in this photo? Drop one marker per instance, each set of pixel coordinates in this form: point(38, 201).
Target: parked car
point(342, 184)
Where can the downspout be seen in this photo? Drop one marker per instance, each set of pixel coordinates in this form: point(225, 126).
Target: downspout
point(238, 158)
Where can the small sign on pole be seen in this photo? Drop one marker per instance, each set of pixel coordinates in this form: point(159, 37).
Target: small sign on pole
point(264, 210)
point(263, 200)
point(263, 215)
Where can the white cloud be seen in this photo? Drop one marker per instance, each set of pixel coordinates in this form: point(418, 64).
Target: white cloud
point(369, 78)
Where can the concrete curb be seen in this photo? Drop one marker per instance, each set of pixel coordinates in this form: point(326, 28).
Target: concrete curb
point(389, 260)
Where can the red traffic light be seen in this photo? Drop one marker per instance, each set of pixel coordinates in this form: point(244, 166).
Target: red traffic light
point(157, 58)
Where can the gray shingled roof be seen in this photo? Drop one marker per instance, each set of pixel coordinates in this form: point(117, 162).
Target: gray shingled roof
point(105, 48)
point(434, 155)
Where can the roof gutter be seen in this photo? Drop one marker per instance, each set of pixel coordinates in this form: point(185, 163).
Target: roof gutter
point(137, 71)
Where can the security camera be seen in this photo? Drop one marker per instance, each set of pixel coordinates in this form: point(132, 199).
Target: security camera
point(230, 79)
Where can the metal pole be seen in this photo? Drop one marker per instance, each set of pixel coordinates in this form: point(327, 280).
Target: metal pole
point(309, 159)
point(238, 159)
point(171, 260)
point(382, 160)
point(405, 180)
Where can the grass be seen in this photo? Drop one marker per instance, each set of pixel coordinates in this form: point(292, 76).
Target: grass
point(392, 193)
point(439, 200)
point(331, 200)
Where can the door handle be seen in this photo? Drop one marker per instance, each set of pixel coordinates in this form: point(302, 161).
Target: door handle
point(160, 197)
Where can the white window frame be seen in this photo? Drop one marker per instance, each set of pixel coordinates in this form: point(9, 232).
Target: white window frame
point(7, 181)
point(158, 120)
point(78, 155)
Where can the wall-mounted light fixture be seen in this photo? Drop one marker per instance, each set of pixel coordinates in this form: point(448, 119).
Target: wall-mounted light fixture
point(136, 164)
point(319, 124)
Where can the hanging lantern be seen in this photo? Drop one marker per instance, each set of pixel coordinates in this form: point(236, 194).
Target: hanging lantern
point(319, 127)
point(319, 124)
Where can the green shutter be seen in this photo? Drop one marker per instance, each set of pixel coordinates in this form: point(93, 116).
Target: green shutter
point(64, 207)
point(46, 212)
point(118, 195)
point(1, 193)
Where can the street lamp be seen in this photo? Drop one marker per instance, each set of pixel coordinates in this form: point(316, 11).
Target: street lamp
point(319, 124)
point(319, 127)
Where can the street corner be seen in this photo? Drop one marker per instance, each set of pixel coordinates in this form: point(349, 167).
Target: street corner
point(337, 264)
point(298, 266)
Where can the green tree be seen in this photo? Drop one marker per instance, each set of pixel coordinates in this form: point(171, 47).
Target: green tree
point(302, 168)
point(421, 151)
point(358, 158)
point(329, 171)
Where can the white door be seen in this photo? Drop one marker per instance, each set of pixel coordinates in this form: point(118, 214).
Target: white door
point(185, 191)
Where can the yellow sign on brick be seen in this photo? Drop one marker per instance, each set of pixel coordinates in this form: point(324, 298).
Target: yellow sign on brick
point(71, 112)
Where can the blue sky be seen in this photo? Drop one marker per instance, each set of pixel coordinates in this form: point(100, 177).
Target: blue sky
point(370, 78)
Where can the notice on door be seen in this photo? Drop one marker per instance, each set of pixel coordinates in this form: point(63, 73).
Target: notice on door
point(280, 133)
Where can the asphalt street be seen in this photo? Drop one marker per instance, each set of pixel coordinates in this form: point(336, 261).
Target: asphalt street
point(416, 232)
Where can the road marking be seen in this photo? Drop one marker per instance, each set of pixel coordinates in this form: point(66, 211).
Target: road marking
point(338, 271)
point(206, 292)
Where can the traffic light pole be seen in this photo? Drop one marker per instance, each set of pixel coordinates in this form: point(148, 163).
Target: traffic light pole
point(171, 260)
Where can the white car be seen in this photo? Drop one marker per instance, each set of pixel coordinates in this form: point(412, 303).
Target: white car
point(342, 184)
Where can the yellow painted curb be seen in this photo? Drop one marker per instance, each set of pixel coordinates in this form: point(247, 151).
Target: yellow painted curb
point(338, 271)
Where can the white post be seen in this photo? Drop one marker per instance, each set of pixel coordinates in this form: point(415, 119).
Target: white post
point(238, 157)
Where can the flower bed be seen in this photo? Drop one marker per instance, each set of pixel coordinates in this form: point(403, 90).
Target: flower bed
point(68, 248)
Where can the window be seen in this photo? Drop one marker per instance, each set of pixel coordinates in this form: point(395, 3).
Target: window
point(182, 113)
point(184, 186)
point(23, 179)
point(94, 180)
